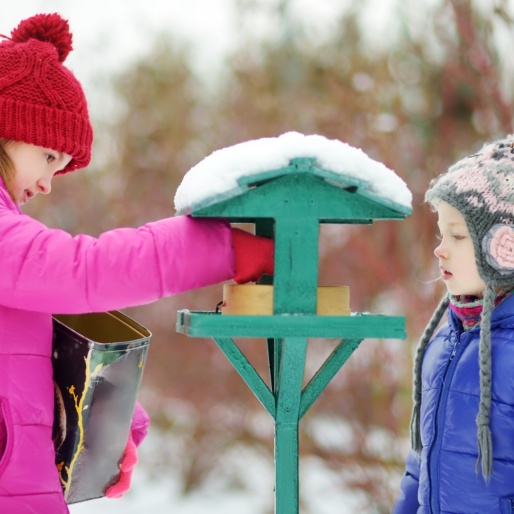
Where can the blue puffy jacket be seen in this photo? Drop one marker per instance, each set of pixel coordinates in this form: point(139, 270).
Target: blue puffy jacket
point(444, 479)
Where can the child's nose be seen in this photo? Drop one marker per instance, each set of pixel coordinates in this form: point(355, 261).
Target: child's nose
point(440, 251)
point(45, 186)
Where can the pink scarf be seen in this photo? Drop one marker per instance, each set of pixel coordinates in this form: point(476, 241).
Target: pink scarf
point(469, 308)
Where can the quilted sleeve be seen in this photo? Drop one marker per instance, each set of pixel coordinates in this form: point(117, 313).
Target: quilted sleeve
point(48, 270)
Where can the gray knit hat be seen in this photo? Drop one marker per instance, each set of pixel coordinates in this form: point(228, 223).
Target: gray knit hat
point(481, 188)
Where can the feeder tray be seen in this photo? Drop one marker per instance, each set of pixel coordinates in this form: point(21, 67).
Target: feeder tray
point(258, 300)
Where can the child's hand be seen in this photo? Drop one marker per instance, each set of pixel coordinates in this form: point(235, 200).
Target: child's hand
point(138, 431)
point(254, 256)
point(127, 465)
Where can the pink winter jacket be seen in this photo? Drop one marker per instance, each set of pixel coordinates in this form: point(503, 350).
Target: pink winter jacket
point(45, 271)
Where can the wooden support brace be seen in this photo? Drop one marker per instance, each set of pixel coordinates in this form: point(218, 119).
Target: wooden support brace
point(326, 373)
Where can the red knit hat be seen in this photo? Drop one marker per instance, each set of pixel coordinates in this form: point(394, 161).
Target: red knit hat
point(41, 101)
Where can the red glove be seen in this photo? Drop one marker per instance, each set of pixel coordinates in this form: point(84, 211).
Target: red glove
point(254, 256)
point(127, 465)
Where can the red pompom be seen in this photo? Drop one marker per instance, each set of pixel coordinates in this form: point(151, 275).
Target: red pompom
point(50, 28)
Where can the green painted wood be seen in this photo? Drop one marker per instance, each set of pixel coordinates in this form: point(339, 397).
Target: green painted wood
point(357, 326)
point(327, 221)
point(309, 165)
point(326, 373)
point(247, 373)
point(296, 266)
point(286, 468)
point(299, 194)
point(292, 367)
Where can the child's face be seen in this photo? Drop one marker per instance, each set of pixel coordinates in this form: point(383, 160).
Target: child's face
point(456, 253)
point(35, 168)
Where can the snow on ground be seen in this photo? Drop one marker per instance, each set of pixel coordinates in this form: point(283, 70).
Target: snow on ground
point(218, 173)
point(320, 490)
point(159, 491)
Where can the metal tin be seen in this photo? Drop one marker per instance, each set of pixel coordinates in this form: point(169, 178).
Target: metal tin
point(98, 361)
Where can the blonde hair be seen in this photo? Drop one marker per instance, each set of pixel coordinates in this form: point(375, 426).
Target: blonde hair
point(6, 166)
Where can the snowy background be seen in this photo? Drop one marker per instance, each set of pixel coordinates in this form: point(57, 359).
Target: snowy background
point(321, 490)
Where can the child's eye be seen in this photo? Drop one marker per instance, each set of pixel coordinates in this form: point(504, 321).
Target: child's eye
point(49, 158)
point(458, 237)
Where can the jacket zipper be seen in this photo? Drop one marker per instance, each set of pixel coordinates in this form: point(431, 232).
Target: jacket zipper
point(432, 458)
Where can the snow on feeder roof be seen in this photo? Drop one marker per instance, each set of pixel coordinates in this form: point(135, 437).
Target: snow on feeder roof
point(218, 176)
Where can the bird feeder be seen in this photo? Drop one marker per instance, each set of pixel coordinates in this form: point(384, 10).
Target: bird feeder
point(286, 187)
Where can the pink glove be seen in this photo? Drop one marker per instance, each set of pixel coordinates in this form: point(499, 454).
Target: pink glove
point(254, 256)
point(127, 465)
point(138, 431)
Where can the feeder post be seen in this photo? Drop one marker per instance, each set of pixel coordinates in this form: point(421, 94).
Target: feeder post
point(295, 292)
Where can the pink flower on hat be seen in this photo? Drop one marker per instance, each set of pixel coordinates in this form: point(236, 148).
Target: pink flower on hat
point(498, 246)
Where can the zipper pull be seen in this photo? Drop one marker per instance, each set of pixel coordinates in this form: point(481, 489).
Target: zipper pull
point(455, 341)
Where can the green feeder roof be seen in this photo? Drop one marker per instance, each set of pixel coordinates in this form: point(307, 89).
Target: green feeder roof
point(324, 166)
